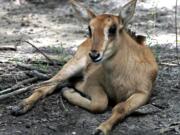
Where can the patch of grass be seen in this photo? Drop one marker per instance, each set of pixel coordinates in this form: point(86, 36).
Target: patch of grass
point(155, 47)
point(63, 54)
point(58, 49)
point(157, 50)
point(41, 66)
point(16, 60)
point(57, 54)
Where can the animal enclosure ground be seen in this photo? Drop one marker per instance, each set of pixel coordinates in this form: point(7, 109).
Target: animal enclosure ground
point(52, 27)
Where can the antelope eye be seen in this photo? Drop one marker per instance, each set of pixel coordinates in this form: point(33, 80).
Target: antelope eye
point(89, 31)
point(112, 30)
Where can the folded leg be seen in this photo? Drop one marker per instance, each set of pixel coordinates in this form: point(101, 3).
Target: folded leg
point(96, 103)
point(121, 110)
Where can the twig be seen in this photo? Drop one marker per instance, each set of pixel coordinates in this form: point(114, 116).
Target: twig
point(19, 91)
point(36, 76)
point(30, 67)
point(5, 75)
point(62, 103)
point(176, 30)
point(60, 84)
point(169, 64)
point(147, 110)
point(39, 75)
point(40, 51)
point(7, 48)
point(173, 126)
point(18, 85)
point(46, 62)
point(32, 87)
point(13, 76)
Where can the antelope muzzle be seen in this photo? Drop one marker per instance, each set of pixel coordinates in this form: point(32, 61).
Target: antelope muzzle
point(95, 56)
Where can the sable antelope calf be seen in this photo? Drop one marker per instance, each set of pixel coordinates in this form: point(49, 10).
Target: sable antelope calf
point(112, 67)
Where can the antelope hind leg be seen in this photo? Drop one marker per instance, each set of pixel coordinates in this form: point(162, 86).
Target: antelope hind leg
point(120, 111)
point(94, 104)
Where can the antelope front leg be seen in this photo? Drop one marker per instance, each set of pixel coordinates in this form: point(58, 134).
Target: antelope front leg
point(120, 111)
point(74, 66)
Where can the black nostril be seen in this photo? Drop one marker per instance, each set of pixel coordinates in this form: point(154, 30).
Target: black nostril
point(93, 51)
point(94, 55)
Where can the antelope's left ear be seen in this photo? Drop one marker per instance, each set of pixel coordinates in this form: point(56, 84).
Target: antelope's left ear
point(128, 11)
point(82, 12)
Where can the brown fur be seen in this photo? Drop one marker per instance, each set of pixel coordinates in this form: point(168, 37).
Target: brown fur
point(125, 75)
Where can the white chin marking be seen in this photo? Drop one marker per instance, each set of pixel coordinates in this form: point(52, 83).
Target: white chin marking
point(99, 59)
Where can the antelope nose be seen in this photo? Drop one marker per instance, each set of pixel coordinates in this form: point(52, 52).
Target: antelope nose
point(94, 55)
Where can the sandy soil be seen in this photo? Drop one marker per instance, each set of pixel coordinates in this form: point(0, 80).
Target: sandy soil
point(53, 28)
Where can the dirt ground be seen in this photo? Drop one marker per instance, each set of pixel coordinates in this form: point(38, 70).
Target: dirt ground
point(54, 29)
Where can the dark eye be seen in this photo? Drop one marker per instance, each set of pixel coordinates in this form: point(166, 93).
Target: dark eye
point(89, 31)
point(112, 30)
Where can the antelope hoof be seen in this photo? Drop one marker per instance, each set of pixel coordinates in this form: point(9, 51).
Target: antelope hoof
point(98, 132)
point(19, 109)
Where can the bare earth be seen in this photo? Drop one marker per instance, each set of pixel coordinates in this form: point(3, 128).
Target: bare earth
point(52, 27)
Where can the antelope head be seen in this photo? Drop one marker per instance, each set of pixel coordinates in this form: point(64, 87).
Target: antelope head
point(105, 29)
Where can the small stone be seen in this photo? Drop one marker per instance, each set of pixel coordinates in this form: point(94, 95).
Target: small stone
point(73, 133)
point(52, 127)
point(147, 109)
point(27, 125)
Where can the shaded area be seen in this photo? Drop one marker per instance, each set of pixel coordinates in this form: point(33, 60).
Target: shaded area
point(50, 117)
point(57, 33)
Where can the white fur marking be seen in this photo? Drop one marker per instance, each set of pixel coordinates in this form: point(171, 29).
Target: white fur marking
point(76, 67)
point(106, 34)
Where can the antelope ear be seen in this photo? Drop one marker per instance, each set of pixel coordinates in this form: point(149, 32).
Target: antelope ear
point(82, 12)
point(128, 11)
